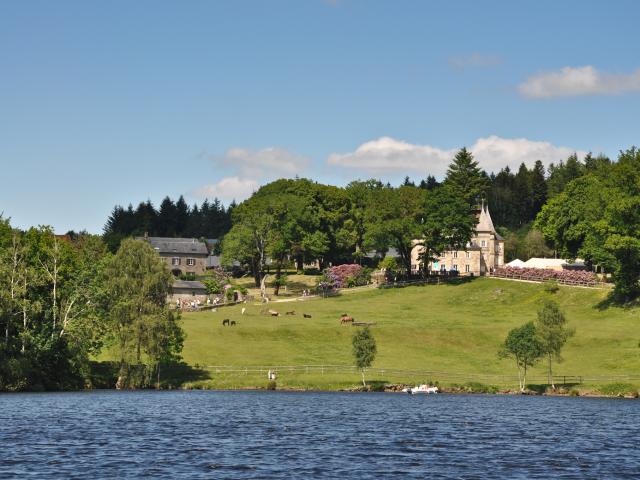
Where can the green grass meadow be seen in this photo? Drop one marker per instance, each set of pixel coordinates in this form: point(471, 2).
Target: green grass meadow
point(454, 330)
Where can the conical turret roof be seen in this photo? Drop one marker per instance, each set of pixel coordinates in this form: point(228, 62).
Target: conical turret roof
point(485, 224)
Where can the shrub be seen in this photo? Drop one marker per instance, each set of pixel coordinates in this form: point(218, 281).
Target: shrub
point(311, 271)
point(543, 275)
point(341, 276)
point(271, 385)
point(213, 286)
point(388, 263)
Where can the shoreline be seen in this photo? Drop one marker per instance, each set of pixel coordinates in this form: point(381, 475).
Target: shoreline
point(355, 390)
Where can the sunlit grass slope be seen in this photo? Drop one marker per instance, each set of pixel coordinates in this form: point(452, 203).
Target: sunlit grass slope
point(445, 328)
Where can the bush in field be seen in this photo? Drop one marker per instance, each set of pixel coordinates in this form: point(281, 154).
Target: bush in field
point(344, 276)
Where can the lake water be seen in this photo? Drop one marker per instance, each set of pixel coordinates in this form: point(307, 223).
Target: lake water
point(199, 434)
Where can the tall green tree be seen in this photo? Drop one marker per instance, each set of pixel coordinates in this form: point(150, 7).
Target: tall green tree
point(523, 346)
point(466, 179)
point(394, 219)
point(446, 224)
point(135, 283)
point(552, 333)
point(364, 350)
point(538, 188)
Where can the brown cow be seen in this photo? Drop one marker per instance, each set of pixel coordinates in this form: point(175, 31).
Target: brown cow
point(346, 319)
point(292, 312)
point(273, 313)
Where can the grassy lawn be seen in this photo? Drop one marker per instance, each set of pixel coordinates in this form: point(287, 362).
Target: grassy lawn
point(446, 328)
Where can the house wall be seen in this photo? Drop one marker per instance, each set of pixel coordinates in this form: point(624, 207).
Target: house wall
point(481, 260)
point(198, 269)
point(187, 294)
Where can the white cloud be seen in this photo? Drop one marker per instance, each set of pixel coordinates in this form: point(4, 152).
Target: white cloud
point(574, 81)
point(388, 155)
point(474, 60)
point(267, 162)
point(228, 188)
point(494, 153)
point(250, 169)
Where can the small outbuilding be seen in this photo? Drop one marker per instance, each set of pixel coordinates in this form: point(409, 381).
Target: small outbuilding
point(187, 291)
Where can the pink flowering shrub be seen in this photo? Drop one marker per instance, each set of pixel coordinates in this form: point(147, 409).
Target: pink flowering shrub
point(344, 276)
point(543, 275)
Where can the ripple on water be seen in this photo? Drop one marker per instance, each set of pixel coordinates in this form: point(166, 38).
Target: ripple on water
point(275, 435)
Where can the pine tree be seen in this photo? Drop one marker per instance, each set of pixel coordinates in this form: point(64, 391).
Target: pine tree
point(466, 179)
point(538, 188)
point(522, 195)
point(167, 218)
point(182, 216)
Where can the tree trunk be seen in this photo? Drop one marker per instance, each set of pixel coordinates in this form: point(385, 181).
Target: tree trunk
point(363, 382)
point(24, 315)
point(276, 288)
point(551, 374)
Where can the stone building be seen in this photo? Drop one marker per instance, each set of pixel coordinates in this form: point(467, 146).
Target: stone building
point(482, 254)
point(182, 291)
point(182, 255)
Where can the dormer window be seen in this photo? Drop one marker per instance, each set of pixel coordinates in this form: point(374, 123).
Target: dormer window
point(484, 243)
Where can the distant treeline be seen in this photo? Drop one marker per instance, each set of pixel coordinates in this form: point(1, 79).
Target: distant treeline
point(516, 198)
point(172, 219)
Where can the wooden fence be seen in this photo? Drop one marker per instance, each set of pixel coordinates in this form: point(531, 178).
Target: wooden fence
point(390, 374)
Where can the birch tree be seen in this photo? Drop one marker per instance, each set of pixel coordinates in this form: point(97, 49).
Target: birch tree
point(552, 334)
point(523, 346)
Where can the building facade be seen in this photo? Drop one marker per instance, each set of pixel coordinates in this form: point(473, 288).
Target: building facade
point(182, 255)
point(482, 255)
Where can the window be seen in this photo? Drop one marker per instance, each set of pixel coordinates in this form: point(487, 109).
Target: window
point(484, 243)
point(175, 261)
point(191, 262)
point(443, 267)
point(455, 267)
point(468, 254)
point(455, 254)
point(466, 268)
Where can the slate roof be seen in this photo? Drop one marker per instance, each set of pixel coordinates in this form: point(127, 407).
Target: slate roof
point(485, 224)
point(166, 245)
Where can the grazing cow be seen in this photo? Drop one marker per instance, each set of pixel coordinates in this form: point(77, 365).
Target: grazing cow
point(346, 319)
point(233, 322)
point(273, 313)
point(292, 312)
point(225, 322)
point(306, 315)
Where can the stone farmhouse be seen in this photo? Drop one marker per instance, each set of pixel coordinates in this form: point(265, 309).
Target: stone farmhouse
point(182, 255)
point(482, 255)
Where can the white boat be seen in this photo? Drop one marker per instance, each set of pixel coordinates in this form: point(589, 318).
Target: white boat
point(424, 388)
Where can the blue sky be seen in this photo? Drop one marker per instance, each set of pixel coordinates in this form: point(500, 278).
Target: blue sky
point(105, 103)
